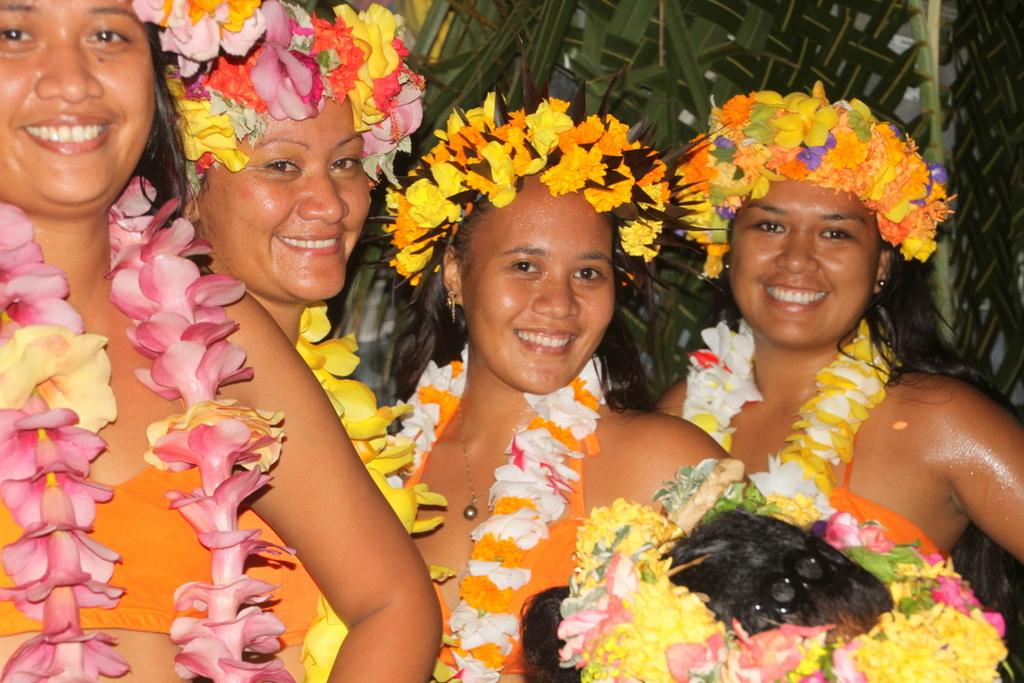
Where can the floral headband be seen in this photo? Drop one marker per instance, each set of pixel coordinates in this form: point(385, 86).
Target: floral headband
point(487, 151)
point(197, 31)
point(764, 136)
point(300, 63)
point(624, 619)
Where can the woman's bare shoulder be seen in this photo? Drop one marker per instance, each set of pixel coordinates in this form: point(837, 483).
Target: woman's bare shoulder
point(640, 451)
point(671, 402)
point(952, 401)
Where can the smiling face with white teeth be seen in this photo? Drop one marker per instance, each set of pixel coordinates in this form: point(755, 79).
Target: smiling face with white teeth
point(286, 223)
point(804, 263)
point(537, 290)
point(76, 104)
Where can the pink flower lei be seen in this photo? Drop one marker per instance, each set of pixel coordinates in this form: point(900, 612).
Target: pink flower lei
point(47, 440)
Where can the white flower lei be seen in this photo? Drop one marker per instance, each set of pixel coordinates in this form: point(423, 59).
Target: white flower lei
point(536, 471)
point(721, 380)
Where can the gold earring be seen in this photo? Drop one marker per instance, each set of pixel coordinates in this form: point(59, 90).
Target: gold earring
point(451, 305)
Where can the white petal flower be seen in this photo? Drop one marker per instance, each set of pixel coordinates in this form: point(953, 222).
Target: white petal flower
point(502, 577)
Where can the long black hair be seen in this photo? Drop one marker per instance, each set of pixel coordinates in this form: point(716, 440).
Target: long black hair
point(432, 335)
point(760, 571)
point(163, 160)
point(907, 328)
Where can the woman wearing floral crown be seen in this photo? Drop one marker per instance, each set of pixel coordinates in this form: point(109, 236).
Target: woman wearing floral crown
point(827, 374)
point(283, 192)
point(517, 230)
point(129, 520)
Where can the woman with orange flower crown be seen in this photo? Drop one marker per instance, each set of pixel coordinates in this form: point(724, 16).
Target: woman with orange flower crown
point(826, 373)
point(519, 229)
point(282, 194)
point(129, 546)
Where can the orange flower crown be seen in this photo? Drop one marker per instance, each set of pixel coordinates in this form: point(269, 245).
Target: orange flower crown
point(484, 154)
point(764, 136)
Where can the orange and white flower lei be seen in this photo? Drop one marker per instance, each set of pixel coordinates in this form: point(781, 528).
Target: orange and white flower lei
point(721, 381)
point(529, 493)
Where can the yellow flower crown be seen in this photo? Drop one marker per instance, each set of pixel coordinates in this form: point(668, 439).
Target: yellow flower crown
point(625, 619)
point(485, 153)
point(764, 136)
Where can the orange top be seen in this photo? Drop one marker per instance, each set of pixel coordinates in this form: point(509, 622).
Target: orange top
point(160, 552)
point(898, 528)
point(550, 562)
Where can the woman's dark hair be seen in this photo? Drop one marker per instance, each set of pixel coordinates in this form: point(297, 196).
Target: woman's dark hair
point(758, 570)
point(163, 160)
point(903, 316)
point(433, 336)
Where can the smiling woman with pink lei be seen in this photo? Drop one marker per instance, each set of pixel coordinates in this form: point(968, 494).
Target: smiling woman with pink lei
point(132, 441)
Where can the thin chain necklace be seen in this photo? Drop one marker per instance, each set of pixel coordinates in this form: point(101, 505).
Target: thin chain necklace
point(470, 511)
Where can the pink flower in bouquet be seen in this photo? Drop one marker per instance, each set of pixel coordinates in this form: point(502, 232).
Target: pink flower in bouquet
point(843, 665)
point(997, 621)
point(844, 531)
point(576, 629)
point(953, 592)
point(769, 655)
point(685, 659)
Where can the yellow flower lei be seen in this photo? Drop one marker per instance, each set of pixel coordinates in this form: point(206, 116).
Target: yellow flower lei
point(848, 389)
point(384, 455)
point(764, 136)
point(486, 152)
point(527, 496)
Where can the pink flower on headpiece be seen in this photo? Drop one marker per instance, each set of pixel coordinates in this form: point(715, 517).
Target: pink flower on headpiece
point(289, 82)
point(198, 39)
point(402, 120)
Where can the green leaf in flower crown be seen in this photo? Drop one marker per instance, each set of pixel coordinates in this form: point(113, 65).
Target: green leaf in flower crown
point(763, 132)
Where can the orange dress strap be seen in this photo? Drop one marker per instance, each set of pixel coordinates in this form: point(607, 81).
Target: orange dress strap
point(160, 552)
point(898, 528)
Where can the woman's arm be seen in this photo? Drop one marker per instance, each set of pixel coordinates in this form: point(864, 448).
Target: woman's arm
point(982, 457)
point(323, 503)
